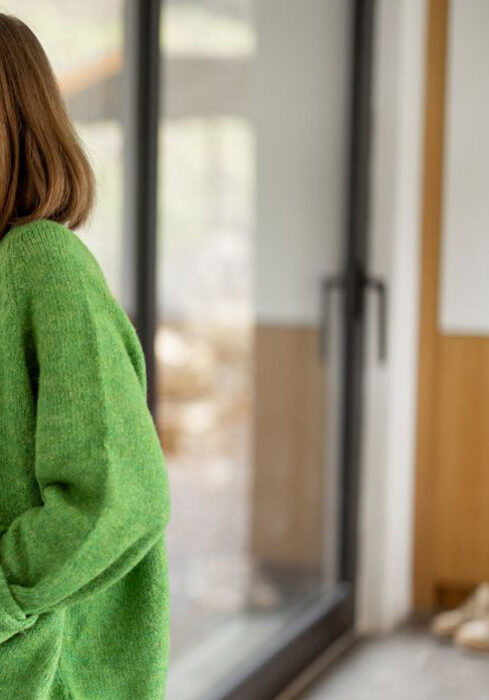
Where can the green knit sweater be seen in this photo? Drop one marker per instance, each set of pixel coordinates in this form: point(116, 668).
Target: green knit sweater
point(84, 492)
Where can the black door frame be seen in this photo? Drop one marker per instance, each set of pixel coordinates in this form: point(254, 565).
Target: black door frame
point(334, 615)
point(141, 126)
point(356, 279)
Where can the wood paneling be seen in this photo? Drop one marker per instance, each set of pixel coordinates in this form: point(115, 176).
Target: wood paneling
point(288, 500)
point(461, 498)
point(452, 481)
point(430, 248)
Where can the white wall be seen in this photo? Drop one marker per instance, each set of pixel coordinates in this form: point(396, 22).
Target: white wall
point(464, 297)
point(389, 432)
point(301, 111)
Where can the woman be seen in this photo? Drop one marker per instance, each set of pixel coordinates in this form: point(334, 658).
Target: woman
point(83, 485)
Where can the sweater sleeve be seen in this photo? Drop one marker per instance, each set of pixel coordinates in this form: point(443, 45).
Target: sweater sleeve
point(98, 461)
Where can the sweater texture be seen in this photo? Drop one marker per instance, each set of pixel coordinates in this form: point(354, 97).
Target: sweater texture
point(84, 492)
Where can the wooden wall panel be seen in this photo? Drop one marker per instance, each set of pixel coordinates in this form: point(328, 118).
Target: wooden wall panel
point(428, 350)
point(288, 479)
point(452, 479)
point(461, 498)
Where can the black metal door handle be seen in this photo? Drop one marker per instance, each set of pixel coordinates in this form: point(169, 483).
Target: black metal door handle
point(361, 284)
point(328, 285)
point(378, 286)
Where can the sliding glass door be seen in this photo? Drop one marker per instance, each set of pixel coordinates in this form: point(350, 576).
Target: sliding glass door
point(258, 342)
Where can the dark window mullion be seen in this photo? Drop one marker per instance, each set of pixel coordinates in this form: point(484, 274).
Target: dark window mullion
point(142, 21)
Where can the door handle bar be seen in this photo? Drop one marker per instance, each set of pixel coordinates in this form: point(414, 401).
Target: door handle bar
point(328, 285)
point(332, 283)
point(377, 285)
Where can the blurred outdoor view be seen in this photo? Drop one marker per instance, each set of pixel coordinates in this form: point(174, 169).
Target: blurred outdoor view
point(205, 294)
point(234, 298)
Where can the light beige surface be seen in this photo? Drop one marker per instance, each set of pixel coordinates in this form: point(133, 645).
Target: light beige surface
point(406, 666)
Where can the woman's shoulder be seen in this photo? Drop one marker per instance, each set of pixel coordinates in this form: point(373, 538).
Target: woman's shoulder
point(41, 240)
point(45, 246)
point(46, 258)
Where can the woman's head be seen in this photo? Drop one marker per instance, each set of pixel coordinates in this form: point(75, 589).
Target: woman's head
point(44, 173)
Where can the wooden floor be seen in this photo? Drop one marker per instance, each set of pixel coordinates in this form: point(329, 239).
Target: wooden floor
point(409, 665)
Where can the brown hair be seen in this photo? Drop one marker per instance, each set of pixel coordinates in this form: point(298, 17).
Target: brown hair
point(44, 172)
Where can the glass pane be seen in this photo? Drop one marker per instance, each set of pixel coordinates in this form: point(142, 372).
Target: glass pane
point(84, 42)
point(254, 137)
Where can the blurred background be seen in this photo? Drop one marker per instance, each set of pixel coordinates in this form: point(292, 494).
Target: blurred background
point(293, 208)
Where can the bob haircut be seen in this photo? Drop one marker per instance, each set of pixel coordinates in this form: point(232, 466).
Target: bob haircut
point(44, 172)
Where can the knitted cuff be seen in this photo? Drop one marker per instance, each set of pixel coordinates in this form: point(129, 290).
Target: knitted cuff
point(12, 618)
